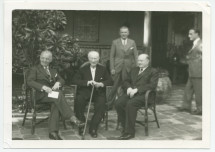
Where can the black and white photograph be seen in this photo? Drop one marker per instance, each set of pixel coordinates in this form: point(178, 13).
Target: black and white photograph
point(94, 73)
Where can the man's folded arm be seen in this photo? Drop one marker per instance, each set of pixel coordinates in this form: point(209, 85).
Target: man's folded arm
point(152, 85)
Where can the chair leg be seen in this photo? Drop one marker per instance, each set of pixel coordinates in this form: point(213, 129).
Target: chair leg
point(33, 122)
point(156, 119)
point(24, 118)
point(117, 126)
point(146, 122)
point(106, 120)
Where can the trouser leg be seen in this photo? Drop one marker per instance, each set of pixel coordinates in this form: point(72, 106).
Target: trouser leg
point(188, 95)
point(131, 112)
point(54, 119)
point(197, 85)
point(80, 105)
point(120, 108)
point(59, 107)
point(113, 92)
point(99, 110)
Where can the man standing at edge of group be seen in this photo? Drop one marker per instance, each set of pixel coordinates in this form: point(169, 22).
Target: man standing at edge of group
point(141, 79)
point(194, 82)
point(45, 80)
point(123, 57)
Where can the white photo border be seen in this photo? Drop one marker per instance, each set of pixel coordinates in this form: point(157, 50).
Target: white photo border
point(203, 7)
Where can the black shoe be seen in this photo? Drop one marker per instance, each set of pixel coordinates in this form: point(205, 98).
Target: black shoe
point(81, 131)
point(126, 136)
point(183, 109)
point(93, 133)
point(54, 136)
point(196, 112)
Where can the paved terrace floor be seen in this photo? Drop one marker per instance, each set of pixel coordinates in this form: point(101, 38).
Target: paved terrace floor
point(174, 125)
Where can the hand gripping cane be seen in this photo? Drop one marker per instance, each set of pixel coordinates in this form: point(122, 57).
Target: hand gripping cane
point(88, 111)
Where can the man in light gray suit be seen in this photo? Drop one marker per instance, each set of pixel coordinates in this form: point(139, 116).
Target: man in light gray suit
point(194, 83)
point(123, 57)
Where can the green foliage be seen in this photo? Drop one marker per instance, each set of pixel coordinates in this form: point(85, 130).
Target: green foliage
point(37, 30)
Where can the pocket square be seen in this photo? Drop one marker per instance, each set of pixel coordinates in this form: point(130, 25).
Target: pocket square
point(55, 75)
point(131, 48)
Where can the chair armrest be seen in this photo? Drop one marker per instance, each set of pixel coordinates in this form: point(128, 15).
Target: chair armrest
point(148, 92)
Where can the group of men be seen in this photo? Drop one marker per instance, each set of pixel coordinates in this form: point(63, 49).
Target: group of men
point(131, 76)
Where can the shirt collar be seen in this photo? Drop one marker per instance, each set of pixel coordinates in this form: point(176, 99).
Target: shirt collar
point(195, 41)
point(143, 68)
point(124, 39)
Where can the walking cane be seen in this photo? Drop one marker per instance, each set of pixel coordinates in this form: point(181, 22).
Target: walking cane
point(88, 111)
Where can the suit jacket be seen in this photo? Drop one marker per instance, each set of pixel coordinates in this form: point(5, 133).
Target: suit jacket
point(194, 60)
point(84, 75)
point(123, 56)
point(147, 80)
point(38, 77)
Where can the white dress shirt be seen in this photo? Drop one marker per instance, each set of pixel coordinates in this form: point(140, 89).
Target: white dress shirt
point(124, 41)
point(93, 72)
point(195, 42)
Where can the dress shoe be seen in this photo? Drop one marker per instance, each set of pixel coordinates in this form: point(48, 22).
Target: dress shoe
point(80, 131)
point(196, 112)
point(183, 109)
point(75, 121)
point(93, 133)
point(126, 136)
point(54, 136)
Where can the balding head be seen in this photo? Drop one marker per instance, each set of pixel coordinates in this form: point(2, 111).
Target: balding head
point(46, 58)
point(93, 57)
point(143, 60)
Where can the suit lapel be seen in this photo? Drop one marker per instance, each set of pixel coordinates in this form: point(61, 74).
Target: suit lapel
point(89, 72)
point(126, 47)
point(97, 73)
point(142, 74)
point(120, 43)
point(42, 70)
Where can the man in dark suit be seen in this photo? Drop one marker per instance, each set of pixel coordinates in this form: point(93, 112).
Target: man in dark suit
point(46, 80)
point(123, 57)
point(142, 78)
point(96, 75)
point(194, 82)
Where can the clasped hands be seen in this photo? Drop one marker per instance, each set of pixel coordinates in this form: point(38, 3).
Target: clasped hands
point(131, 92)
point(94, 83)
point(54, 88)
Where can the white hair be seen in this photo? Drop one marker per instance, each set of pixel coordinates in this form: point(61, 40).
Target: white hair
point(46, 52)
point(93, 53)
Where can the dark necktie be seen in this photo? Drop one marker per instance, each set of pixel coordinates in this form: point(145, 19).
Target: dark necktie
point(47, 71)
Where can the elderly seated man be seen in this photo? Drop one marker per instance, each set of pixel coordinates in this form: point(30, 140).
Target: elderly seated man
point(142, 78)
point(92, 74)
point(46, 80)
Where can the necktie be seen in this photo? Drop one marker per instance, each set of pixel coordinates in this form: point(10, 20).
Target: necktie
point(47, 71)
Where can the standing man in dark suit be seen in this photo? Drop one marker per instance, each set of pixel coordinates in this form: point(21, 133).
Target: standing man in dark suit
point(142, 78)
point(123, 57)
point(96, 75)
point(46, 80)
point(194, 83)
